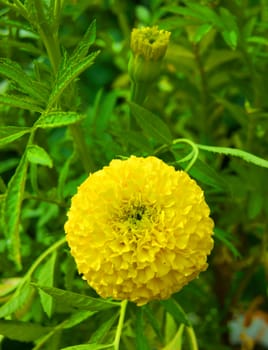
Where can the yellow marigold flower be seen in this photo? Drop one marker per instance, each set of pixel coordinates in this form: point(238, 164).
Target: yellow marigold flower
point(139, 230)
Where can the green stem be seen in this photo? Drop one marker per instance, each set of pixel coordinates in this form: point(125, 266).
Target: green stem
point(139, 92)
point(120, 325)
point(81, 147)
point(194, 152)
point(37, 262)
point(52, 46)
point(49, 35)
point(204, 92)
point(192, 338)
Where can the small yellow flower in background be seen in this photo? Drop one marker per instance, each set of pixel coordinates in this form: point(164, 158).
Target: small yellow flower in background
point(139, 230)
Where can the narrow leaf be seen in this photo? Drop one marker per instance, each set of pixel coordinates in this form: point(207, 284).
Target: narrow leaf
point(9, 134)
point(37, 155)
point(89, 347)
point(103, 329)
point(77, 318)
point(57, 119)
point(175, 310)
point(18, 299)
point(88, 39)
point(15, 73)
point(46, 277)
point(248, 157)
point(153, 322)
point(152, 125)
point(12, 209)
point(22, 331)
point(141, 341)
point(226, 238)
point(78, 301)
point(22, 102)
point(206, 174)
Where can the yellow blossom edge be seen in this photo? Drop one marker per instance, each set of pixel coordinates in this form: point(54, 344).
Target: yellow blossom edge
point(139, 230)
point(149, 42)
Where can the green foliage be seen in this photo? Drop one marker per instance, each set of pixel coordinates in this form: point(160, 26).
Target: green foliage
point(66, 111)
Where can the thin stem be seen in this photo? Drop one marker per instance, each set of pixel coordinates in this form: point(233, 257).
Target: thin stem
point(192, 338)
point(79, 141)
point(49, 35)
point(37, 262)
point(204, 91)
point(120, 325)
point(52, 46)
point(194, 152)
point(139, 92)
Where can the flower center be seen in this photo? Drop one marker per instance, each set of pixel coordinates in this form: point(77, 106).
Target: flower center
point(136, 214)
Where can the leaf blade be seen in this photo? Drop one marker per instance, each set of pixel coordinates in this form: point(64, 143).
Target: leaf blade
point(46, 277)
point(9, 134)
point(22, 331)
point(37, 155)
point(151, 124)
point(12, 209)
point(78, 301)
point(57, 119)
point(248, 157)
point(175, 310)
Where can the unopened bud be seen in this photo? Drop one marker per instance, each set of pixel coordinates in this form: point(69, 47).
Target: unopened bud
point(148, 46)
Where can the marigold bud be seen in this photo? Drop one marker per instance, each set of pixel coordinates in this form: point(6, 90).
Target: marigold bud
point(148, 46)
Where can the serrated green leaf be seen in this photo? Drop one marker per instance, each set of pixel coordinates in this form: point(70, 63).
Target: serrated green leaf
point(57, 119)
point(9, 134)
point(46, 278)
point(151, 124)
point(141, 340)
point(175, 310)
point(77, 318)
point(22, 331)
point(248, 157)
point(15, 73)
point(103, 329)
point(37, 155)
point(18, 299)
point(12, 209)
point(136, 139)
point(70, 322)
point(88, 39)
point(22, 102)
point(207, 175)
point(70, 70)
point(89, 347)
point(78, 301)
